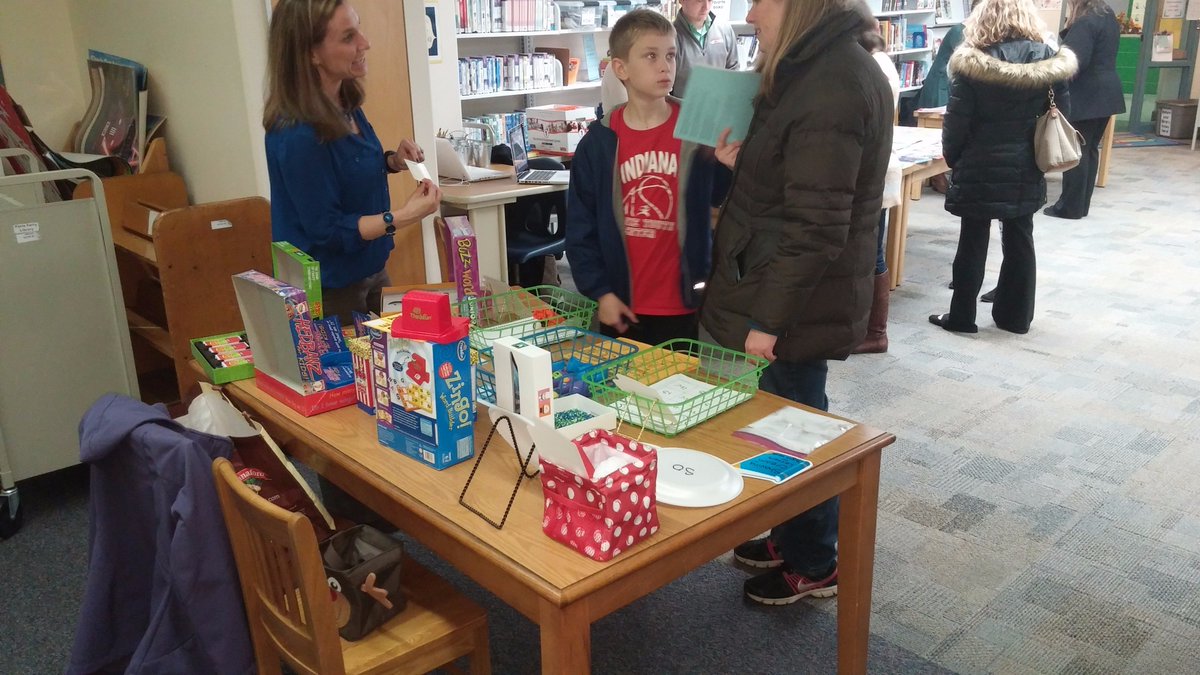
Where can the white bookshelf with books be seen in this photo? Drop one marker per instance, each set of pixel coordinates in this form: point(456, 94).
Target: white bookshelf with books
point(509, 55)
point(913, 31)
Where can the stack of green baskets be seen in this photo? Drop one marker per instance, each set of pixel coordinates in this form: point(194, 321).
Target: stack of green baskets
point(727, 378)
point(523, 312)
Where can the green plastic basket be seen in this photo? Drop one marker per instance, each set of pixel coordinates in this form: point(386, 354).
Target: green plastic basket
point(523, 312)
point(719, 380)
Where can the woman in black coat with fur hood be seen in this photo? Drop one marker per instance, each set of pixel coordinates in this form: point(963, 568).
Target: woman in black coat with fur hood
point(1001, 79)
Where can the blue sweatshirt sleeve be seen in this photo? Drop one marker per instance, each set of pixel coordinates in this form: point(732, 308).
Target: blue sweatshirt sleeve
point(310, 178)
point(583, 218)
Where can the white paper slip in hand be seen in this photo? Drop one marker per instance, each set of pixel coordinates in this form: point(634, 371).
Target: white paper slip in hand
point(418, 170)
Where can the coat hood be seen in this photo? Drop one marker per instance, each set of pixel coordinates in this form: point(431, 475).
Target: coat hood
point(854, 19)
point(110, 421)
point(1018, 69)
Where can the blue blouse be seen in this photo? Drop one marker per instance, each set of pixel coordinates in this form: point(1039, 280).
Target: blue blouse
point(320, 190)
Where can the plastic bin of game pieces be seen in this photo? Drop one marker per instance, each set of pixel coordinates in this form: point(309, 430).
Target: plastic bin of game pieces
point(524, 312)
point(573, 352)
point(675, 385)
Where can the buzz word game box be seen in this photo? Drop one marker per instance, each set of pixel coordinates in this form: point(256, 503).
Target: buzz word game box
point(424, 389)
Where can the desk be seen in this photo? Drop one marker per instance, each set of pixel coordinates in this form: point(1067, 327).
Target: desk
point(555, 587)
point(483, 203)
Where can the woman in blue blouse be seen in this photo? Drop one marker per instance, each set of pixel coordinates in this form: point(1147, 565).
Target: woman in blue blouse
point(328, 171)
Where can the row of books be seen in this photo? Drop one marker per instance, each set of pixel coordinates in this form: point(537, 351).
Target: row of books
point(899, 35)
point(912, 73)
point(524, 16)
point(508, 72)
point(502, 16)
point(906, 5)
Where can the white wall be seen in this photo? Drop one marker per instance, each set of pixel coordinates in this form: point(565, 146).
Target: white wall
point(193, 52)
point(41, 65)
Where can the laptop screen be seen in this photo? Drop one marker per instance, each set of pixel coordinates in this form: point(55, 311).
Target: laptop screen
point(516, 142)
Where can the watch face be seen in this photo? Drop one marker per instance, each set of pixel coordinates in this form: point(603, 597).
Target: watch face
point(388, 217)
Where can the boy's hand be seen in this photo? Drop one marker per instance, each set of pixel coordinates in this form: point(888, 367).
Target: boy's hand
point(614, 313)
point(727, 153)
point(761, 344)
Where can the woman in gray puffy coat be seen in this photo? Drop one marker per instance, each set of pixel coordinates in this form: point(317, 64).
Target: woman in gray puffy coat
point(1001, 79)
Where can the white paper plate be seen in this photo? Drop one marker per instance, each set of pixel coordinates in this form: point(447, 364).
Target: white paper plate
point(694, 478)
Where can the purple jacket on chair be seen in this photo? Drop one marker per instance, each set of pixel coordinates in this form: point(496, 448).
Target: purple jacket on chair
point(162, 591)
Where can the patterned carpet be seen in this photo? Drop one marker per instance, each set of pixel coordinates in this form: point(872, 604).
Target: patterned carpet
point(1125, 139)
point(1039, 512)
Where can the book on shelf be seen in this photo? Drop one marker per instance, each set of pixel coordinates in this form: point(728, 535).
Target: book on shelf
point(496, 73)
point(505, 16)
point(115, 120)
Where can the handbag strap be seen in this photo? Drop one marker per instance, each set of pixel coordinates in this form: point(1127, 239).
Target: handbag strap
point(1052, 106)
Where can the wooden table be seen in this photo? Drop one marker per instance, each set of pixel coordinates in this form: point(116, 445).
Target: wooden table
point(555, 587)
point(483, 202)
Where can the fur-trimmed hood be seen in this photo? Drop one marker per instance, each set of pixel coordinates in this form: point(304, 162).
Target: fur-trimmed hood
point(975, 64)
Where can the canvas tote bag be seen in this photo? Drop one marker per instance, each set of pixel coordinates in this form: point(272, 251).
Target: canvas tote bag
point(1056, 144)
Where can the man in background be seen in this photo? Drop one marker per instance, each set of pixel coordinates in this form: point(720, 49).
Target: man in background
point(700, 39)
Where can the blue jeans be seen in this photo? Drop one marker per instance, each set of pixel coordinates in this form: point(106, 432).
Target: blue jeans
point(808, 542)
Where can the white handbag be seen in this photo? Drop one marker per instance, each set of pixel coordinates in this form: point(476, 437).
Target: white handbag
point(1056, 144)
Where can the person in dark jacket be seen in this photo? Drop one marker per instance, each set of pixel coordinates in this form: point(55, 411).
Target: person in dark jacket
point(1093, 33)
point(935, 90)
point(794, 258)
point(1000, 83)
point(162, 592)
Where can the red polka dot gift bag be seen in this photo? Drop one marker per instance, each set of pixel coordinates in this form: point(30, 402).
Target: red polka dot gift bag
point(611, 505)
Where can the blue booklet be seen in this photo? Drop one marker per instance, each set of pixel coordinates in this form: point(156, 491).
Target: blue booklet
point(773, 466)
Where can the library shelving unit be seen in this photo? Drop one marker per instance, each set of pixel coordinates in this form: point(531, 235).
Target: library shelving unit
point(913, 31)
point(481, 36)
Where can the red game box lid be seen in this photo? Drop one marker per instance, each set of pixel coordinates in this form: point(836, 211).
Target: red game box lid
point(425, 315)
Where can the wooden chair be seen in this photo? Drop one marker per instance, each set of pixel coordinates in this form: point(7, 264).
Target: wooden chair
point(291, 616)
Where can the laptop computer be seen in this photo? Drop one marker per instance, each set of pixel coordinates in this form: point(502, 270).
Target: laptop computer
point(516, 141)
point(451, 165)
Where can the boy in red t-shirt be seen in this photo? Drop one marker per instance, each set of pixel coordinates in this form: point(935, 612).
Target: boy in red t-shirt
point(639, 230)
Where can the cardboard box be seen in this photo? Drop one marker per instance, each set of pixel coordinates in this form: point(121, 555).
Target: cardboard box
point(425, 392)
point(558, 128)
point(534, 384)
point(287, 359)
point(297, 268)
point(364, 372)
point(231, 369)
point(460, 249)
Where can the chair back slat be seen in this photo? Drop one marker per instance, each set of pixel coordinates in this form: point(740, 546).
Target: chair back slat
point(283, 581)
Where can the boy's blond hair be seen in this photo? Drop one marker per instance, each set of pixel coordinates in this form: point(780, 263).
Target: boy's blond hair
point(632, 26)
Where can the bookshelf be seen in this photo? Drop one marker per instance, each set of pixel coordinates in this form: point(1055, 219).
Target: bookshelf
point(913, 30)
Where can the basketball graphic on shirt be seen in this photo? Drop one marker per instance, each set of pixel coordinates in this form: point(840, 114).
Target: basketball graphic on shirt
point(644, 198)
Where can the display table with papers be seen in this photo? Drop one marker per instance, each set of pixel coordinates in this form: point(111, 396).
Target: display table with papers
point(557, 588)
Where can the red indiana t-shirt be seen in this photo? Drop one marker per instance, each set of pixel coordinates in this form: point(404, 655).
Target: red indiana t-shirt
point(648, 168)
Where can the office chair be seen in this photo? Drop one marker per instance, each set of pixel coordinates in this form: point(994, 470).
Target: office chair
point(291, 615)
point(531, 232)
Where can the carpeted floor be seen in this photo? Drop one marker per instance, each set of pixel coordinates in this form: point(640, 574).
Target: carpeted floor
point(1038, 513)
point(1125, 139)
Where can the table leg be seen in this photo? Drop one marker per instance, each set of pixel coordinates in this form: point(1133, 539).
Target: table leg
point(902, 244)
point(1105, 152)
point(488, 222)
point(566, 638)
point(891, 249)
point(856, 563)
